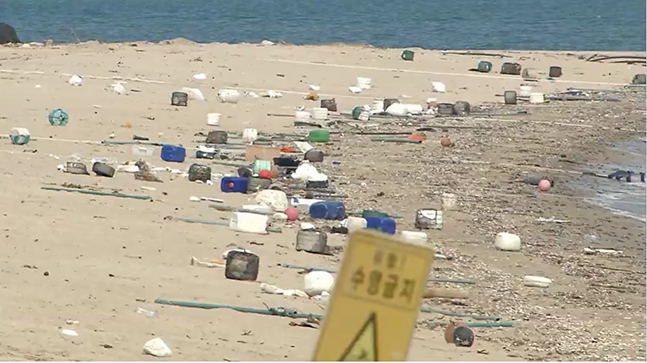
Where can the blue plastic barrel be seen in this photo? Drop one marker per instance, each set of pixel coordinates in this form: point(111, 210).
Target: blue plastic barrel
point(173, 153)
point(384, 224)
point(327, 210)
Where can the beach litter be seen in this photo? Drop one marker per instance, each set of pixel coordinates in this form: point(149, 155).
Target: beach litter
point(157, 348)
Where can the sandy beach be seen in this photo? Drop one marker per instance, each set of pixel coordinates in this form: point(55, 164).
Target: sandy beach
point(94, 260)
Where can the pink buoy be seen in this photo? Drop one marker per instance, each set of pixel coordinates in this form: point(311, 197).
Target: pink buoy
point(292, 213)
point(544, 185)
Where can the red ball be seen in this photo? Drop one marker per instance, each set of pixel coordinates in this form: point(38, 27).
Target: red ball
point(265, 174)
point(292, 213)
point(230, 185)
point(445, 141)
point(544, 185)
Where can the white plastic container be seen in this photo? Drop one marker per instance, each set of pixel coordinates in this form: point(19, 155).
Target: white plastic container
point(213, 119)
point(302, 116)
point(438, 87)
point(157, 348)
point(355, 89)
point(139, 150)
point(250, 135)
point(364, 116)
point(249, 223)
point(507, 242)
point(275, 199)
point(118, 88)
point(228, 96)
point(530, 74)
point(319, 113)
point(355, 224)
point(414, 236)
point(449, 201)
point(536, 98)
point(525, 91)
point(364, 83)
point(317, 282)
point(537, 281)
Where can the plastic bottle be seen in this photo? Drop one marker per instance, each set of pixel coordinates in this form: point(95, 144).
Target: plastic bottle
point(327, 210)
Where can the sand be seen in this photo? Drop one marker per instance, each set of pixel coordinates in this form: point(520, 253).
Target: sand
point(96, 260)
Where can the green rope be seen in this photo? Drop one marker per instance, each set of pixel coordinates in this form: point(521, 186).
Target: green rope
point(454, 281)
point(498, 324)
point(280, 311)
point(120, 195)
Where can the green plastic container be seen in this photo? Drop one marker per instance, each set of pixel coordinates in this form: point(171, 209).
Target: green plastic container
point(356, 112)
point(484, 67)
point(319, 136)
point(58, 117)
point(373, 213)
point(19, 136)
point(407, 55)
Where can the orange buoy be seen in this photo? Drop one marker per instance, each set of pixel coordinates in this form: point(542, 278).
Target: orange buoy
point(445, 141)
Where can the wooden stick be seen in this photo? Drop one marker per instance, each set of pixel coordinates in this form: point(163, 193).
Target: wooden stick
point(445, 293)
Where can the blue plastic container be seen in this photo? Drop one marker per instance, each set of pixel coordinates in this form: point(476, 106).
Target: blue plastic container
point(233, 184)
point(173, 153)
point(384, 224)
point(327, 210)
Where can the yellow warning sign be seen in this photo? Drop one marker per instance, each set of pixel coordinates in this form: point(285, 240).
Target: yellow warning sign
point(363, 348)
point(374, 305)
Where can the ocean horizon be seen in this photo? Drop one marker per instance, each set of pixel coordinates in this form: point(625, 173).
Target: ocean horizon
point(441, 24)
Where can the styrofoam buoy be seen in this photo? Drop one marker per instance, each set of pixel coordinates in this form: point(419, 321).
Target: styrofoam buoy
point(525, 91)
point(537, 281)
point(529, 74)
point(510, 97)
point(250, 135)
point(319, 113)
point(194, 93)
point(536, 98)
point(317, 282)
point(511, 68)
point(275, 199)
point(157, 348)
point(507, 242)
point(249, 222)
point(364, 83)
point(75, 80)
point(438, 87)
point(213, 119)
point(302, 116)
point(449, 201)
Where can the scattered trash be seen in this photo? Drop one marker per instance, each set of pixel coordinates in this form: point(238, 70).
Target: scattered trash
point(209, 264)
point(200, 76)
point(102, 169)
point(242, 265)
point(318, 282)
point(555, 72)
point(363, 83)
point(414, 237)
point(69, 332)
point(58, 117)
point(146, 312)
point(407, 55)
point(438, 87)
point(507, 242)
point(118, 88)
point(157, 348)
point(313, 87)
point(193, 94)
point(213, 119)
point(271, 289)
point(552, 220)
point(19, 136)
point(511, 68)
point(429, 219)
point(603, 251)
point(179, 99)
point(312, 241)
point(355, 89)
point(543, 185)
point(75, 80)
point(249, 222)
point(536, 281)
point(228, 96)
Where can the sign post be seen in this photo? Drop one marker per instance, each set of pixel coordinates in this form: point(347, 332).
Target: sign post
point(374, 305)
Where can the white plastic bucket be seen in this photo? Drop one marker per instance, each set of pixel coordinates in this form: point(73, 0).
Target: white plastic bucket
point(355, 224)
point(319, 113)
point(249, 222)
point(228, 96)
point(249, 135)
point(213, 119)
point(414, 236)
point(364, 83)
point(438, 87)
point(536, 98)
point(302, 116)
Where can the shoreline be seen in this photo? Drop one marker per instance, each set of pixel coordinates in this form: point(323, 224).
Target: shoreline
point(96, 260)
point(183, 40)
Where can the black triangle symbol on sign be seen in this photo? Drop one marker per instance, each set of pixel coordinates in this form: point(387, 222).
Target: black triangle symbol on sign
point(364, 345)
